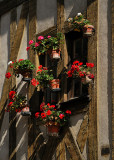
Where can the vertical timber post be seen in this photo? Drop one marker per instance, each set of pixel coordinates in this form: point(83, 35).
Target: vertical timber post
point(92, 16)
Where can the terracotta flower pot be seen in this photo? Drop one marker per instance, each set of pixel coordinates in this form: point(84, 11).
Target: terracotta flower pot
point(53, 130)
point(26, 73)
point(26, 111)
point(55, 54)
point(54, 84)
point(88, 30)
point(86, 80)
point(17, 70)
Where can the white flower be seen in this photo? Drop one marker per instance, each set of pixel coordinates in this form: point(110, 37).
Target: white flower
point(70, 19)
point(10, 62)
point(79, 14)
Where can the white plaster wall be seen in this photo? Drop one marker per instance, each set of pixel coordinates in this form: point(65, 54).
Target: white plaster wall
point(4, 58)
point(104, 76)
point(72, 7)
point(46, 14)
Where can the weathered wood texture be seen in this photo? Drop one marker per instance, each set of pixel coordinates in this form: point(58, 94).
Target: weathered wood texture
point(74, 152)
point(13, 56)
point(32, 136)
point(112, 79)
point(6, 6)
point(60, 26)
point(83, 134)
point(12, 116)
point(92, 11)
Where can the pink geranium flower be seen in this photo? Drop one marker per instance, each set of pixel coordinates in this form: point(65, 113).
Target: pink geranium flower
point(36, 44)
point(48, 36)
point(30, 42)
point(40, 37)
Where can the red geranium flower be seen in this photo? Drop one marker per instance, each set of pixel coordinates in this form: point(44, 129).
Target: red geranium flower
point(10, 104)
point(91, 76)
point(75, 62)
point(80, 64)
point(27, 48)
point(37, 114)
point(40, 67)
point(34, 82)
point(90, 65)
point(20, 60)
point(61, 116)
point(42, 105)
point(69, 73)
point(48, 112)
point(8, 75)
point(52, 106)
point(68, 112)
point(43, 115)
point(11, 94)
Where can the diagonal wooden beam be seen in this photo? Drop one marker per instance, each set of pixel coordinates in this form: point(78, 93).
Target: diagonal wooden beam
point(72, 147)
point(83, 134)
point(13, 56)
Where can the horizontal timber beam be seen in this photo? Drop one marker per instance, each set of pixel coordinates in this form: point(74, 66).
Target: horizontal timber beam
point(8, 5)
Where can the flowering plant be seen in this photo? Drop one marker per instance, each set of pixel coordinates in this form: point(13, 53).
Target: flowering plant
point(50, 115)
point(43, 77)
point(80, 70)
point(44, 45)
point(16, 102)
point(78, 21)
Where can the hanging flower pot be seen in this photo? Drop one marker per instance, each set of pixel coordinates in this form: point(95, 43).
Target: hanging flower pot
point(25, 111)
point(86, 80)
point(88, 30)
point(53, 128)
point(55, 54)
point(27, 75)
point(54, 84)
point(16, 71)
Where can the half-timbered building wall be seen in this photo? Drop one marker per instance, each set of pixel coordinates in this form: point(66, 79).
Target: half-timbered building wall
point(89, 135)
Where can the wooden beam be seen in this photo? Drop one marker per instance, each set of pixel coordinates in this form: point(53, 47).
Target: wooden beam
point(112, 79)
point(32, 97)
point(6, 6)
point(71, 146)
point(83, 134)
point(13, 56)
point(92, 11)
point(12, 116)
point(60, 26)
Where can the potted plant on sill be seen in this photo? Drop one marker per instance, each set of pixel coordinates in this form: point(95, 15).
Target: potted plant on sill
point(81, 71)
point(47, 45)
point(53, 118)
point(83, 24)
point(43, 77)
point(16, 102)
point(23, 67)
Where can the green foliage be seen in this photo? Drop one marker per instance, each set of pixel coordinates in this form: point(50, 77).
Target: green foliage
point(78, 21)
point(23, 65)
point(47, 44)
point(44, 76)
